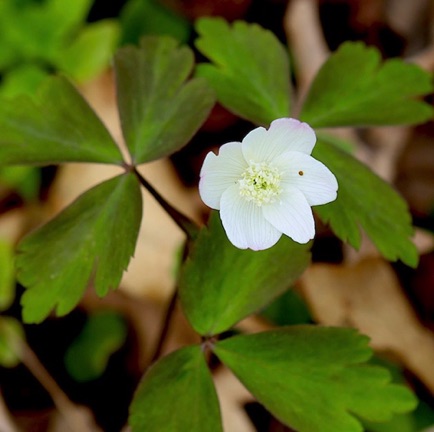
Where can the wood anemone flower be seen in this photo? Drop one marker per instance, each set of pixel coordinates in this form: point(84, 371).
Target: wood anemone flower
point(265, 185)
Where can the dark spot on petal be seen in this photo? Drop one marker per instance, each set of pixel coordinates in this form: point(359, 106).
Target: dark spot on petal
point(300, 173)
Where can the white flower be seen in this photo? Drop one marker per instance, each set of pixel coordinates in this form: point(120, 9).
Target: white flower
point(265, 185)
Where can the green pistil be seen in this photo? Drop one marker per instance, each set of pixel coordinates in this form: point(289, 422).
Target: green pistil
point(260, 183)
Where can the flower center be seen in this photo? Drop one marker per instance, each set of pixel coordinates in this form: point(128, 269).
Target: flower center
point(260, 183)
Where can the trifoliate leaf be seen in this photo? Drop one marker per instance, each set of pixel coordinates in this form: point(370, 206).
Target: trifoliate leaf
point(7, 275)
point(221, 284)
point(11, 337)
point(103, 334)
point(160, 111)
point(96, 43)
point(58, 126)
point(353, 88)
point(250, 70)
point(92, 240)
point(366, 201)
point(176, 394)
point(315, 379)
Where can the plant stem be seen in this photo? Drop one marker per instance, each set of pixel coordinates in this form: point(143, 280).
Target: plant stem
point(190, 228)
point(165, 326)
point(75, 419)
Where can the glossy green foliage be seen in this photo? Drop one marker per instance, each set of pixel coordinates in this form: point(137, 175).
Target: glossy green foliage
point(54, 127)
point(176, 394)
point(315, 379)
point(49, 33)
point(7, 275)
point(36, 30)
point(221, 284)
point(249, 69)
point(103, 334)
point(353, 88)
point(366, 201)
point(96, 44)
point(92, 240)
point(160, 111)
point(152, 17)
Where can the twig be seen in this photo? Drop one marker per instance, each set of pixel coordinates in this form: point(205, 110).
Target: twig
point(185, 223)
point(6, 422)
point(73, 416)
point(305, 37)
point(165, 327)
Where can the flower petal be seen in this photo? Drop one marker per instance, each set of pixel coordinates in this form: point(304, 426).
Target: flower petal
point(284, 135)
point(220, 172)
point(292, 215)
point(244, 222)
point(310, 176)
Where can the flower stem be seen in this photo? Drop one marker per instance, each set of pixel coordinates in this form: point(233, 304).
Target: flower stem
point(190, 228)
point(165, 327)
point(75, 418)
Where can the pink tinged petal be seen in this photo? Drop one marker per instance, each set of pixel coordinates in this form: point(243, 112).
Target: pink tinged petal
point(291, 215)
point(310, 176)
point(220, 172)
point(284, 135)
point(244, 222)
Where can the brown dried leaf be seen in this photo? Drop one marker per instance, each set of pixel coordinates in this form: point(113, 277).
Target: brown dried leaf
point(232, 396)
point(368, 296)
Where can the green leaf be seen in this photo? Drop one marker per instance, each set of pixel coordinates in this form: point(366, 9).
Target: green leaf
point(151, 17)
point(314, 378)
point(398, 423)
point(92, 240)
point(405, 422)
point(7, 275)
point(58, 126)
point(67, 16)
point(288, 309)
point(25, 180)
point(24, 79)
point(353, 88)
point(424, 416)
point(176, 394)
point(160, 111)
point(91, 51)
point(103, 334)
point(11, 337)
point(250, 70)
point(221, 284)
point(37, 31)
point(366, 201)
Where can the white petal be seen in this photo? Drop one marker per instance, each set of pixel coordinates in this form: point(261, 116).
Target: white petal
point(292, 215)
point(284, 135)
point(220, 172)
point(310, 176)
point(244, 222)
